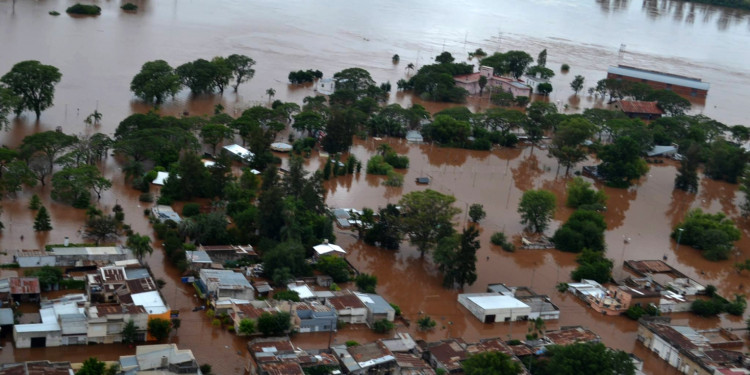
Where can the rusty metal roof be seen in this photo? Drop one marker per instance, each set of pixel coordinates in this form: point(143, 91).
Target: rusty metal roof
point(24, 285)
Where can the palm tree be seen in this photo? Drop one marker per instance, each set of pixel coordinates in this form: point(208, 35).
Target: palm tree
point(384, 148)
point(409, 67)
point(271, 93)
point(140, 245)
point(93, 118)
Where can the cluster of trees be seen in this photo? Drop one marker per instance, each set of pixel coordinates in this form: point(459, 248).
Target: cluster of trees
point(157, 80)
point(581, 358)
point(302, 76)
point(435, 81)
point(425, 218)
point(38, 155)
point(713, 234)
point(668, 101)
point(717, 304)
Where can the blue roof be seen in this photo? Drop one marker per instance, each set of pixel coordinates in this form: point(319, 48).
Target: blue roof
point(650, 75)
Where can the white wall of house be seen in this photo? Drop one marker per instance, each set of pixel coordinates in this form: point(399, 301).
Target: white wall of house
point(23, 339)
point(353, 316)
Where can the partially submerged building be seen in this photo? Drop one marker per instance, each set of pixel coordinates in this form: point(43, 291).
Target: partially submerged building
point(470, 82)
point(36, 368)
point(493, 307)
point(691, 351)
point(225, 283)
point(370, 358)
point(689, 87)
point(159, 359)
point(639, 109)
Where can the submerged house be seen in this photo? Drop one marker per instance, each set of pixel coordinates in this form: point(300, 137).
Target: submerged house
point(492, 307)
point(681, 85)
point(470, 82)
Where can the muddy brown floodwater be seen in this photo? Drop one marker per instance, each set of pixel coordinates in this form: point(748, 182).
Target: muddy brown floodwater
point(98, 57)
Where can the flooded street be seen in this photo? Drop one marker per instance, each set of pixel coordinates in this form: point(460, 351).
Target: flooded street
point(99, 56)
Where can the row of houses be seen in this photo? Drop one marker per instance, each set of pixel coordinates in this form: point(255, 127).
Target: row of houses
point(398, 355)
point(318, 311)
point(164, 359)
point(72, 256)
point(114, 296)
point(695, 352)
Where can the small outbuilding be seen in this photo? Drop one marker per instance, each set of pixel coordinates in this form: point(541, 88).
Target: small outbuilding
point(328, 249)
point(640, 109)
point(240, 152)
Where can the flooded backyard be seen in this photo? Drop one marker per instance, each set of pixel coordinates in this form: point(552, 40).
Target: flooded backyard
point(99, 56)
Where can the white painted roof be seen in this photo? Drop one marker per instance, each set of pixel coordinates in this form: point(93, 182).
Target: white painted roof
point(304, 291)
point(48, 324)
point(326, 248)
point(161, 178)
point(151, 301)
point(240, 151)
point(489, 302)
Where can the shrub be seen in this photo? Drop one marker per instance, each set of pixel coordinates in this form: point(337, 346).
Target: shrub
point(191, 209)
point(84, 9)
point(286, 295)
point(399, 162)
point(165, 200)
point(129, 7)
point(397, 308)
point(426, 323)
point(564, 68)
point(394, 179)
point(377, 165)
point(54, 13)
point(562, 287)
point(351, 343)
point(476, 212)
point(707, 308)
point(509, 247)
point(146, 197)
point(498, 238)
point(382, 326)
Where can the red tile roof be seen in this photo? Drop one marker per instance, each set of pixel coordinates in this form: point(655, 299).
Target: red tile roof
point(449, 353)
point(634, 106)
point(345, 301)
point(24, 285)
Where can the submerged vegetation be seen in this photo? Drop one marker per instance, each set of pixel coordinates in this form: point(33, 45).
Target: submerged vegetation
point(84, 9)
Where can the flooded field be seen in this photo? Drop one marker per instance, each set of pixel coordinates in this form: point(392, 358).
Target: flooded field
point(98, 57)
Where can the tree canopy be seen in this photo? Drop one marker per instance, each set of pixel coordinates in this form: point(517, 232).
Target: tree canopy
point(426, 217)
point(537, 208)
point(714, 234)
point(587, 358)
point(456, 257)
point(491, 363)
point(155, 82)
point(33, 84)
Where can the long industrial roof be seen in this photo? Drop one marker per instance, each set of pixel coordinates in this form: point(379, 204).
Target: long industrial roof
point(650, 75)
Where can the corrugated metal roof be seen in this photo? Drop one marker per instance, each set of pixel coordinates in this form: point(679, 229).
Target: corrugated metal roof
point(651, 75)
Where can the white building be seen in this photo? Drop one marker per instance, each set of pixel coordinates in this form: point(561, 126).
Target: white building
point(226, 283)
point(492, 307)
point(328, 249)
point(240, 152)
point(159, 359)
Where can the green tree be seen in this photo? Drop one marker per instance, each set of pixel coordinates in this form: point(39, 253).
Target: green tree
point(687, 173)
point(129, 332)
point(198, 75)
point(94, 118)
point(35, 203)
point(382, 326)
point(49, 143)
point(274, 324)
point(714, 234)
point(100, 228)
point(188, 179)
point(247, 327)
point(577, 84)
point(456, 257)
point(567, 143)
point(213, 134)
point(426, 217)
point(482, 84)
point(289, 255)
point(476, 212)
point(223, 73)
point(588, 358)
point(286, 295)
point(621, 162)
point(92, 366)
point(159, 328)
point(580, 193)
point(72, 185)
point(17, 173)
point(33, 83)
point(670, 102)
point(42, 221)
point(726, 161)
point(8, 102)
point(140, 245)
point(583, 230)
point(155, 82)
point(48, 276)
point(366, 283)
point(537, 208)
point(544, 88)
point(309, 121)
point(495, 363)
point(541, 60)
point(242, 68)
point(592, 265)
point(334, 266)
point(426, 323)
